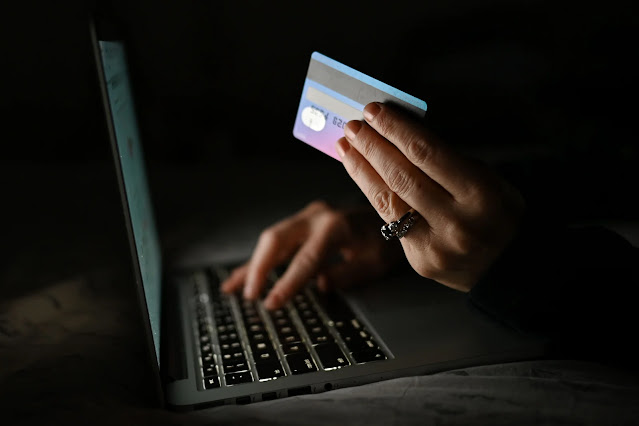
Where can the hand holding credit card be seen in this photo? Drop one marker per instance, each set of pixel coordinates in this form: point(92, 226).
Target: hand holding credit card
point(335, 94)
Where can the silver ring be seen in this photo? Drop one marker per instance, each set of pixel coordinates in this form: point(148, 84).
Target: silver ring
point(399, 228)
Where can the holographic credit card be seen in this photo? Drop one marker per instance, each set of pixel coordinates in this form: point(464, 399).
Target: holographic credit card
point(334, 94)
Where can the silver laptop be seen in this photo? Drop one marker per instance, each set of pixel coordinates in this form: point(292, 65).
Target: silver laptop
point(210, 349)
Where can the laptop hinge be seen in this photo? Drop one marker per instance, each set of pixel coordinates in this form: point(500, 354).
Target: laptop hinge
point(173, 353)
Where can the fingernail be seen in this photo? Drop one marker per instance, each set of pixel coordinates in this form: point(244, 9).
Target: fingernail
point(342, 147)
point(272, 301)
point(351, 129)
point(371, 110)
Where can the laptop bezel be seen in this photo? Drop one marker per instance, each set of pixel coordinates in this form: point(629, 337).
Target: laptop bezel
point(102, 28)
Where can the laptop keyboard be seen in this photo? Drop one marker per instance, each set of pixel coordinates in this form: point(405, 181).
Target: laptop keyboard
point(241, 342)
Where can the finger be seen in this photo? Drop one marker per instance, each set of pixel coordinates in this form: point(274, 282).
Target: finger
point(400, 175)
point(387, 204)
point(326, 233)
point(274, 246)
point(235, 280)
point(446, 167)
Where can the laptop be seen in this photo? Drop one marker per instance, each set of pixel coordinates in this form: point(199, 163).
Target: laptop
point(208, 349)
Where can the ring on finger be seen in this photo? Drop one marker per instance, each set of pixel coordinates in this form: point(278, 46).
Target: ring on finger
point(398, 228)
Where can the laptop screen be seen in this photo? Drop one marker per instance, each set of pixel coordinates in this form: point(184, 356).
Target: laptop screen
point(138, 200)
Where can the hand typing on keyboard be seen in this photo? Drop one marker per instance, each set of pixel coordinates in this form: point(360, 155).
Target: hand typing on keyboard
point(334, 246)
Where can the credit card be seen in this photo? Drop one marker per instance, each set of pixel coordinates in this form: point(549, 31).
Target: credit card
point(335, 94)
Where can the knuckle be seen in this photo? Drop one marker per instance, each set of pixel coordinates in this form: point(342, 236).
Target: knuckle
point(385, 123)
point(368, 149)
point(382, 122)
point(399, 181)
point(317, 205)
point(269, 237)
point(381, 201)
point(333, 219)
point(419, 150)
point(479, 197)
point(460, 238)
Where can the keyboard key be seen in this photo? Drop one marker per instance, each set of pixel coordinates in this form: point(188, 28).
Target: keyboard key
point(269, 369)
point(233, 357)
point(294, 348)
point(279, 313)
point(281, 322)
point(321, 338)
point(227, 337)
point(261, 347)
point(285, 330)
point(331, 355)
point(312, 321)
point(357, 344)
point(208, 358)
point(230, 347)
point(256, 328)
point(303, 306)
point(237, 378)
point(301, 363)
point(248, 307)
point(211, 382)
point(257, 338)
point(352, 335)
point(319, 334)
point(290, 338)
point(253, 319)
point(307, 313)
point(247, 304)
point(317, 329)
point(235, 367)
point(209, 370)
point(224, 319)
point(225, 328)
point(355, 323)
point(368, 355)
point(265, 356)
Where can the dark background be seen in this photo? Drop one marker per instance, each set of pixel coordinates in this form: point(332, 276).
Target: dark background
point(495, 73)
point(545, 90)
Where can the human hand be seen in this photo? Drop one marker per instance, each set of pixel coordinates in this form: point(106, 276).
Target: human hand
point(467, 213)
point(310, 240)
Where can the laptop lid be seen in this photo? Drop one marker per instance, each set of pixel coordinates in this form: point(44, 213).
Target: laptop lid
point(119, 108)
